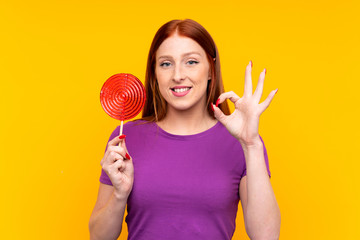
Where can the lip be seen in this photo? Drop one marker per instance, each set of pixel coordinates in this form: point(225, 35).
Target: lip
point(180, 94)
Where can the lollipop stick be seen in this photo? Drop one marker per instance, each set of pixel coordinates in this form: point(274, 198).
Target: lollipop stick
point(121, 129)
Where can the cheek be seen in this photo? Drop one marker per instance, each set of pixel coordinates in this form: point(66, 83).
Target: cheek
point(161, 81)
point(162, 85)
point(201, 77)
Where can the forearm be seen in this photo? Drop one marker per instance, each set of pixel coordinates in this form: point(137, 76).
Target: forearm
point(106, 223)
point(262, 211)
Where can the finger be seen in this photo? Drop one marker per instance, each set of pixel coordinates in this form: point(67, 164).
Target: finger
point(227, 95)
point(114, 168)
point(114, 157)
point(248, 81)
point(265, 104)
point(219, 115)
point(116, 152)
point(123, 145)
point(120, 141)
point(122, 138)
point(260, 86)
point(109, 154)
point(115, 141)
point(117, 149)
point(118, 166)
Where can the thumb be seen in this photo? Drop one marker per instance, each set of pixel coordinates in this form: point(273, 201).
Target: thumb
point(122, 143)
point(219, 115)
point(116, 141)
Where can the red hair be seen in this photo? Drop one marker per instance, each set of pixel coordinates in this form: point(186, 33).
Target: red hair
point(155, 105)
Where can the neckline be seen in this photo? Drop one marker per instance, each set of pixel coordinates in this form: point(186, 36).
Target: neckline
point(186, 137)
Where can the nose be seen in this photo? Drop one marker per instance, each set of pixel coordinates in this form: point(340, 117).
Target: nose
point(179, 73)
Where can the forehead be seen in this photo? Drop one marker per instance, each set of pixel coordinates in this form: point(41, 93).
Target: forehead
point(177, 46)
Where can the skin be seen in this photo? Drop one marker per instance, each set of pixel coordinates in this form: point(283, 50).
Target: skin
point(188, 115)
point(261, 211)
point(108, 214)
point(180, 61)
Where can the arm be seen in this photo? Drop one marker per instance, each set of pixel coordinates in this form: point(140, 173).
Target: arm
point(260, 209)
point(107, 216)
point(261, 212)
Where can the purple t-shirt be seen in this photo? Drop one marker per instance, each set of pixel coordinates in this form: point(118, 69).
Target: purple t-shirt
point(185, 186)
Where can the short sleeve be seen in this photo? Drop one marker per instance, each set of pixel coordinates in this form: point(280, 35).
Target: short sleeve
point(104, 178)
point(266, 160)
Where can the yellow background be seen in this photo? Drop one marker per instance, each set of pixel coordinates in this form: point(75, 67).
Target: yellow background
point(55, 56)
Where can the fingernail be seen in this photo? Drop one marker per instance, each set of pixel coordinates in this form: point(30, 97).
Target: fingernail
point(276, 91)
point(217, 102)
point(265, 71)
point(127, 156)
point(212, 107)
point(251, 63)
point(122, 136)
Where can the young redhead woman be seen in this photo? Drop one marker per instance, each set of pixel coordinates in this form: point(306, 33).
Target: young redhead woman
point(188, 162)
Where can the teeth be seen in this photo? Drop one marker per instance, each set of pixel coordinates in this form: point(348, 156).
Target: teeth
point(178, 90)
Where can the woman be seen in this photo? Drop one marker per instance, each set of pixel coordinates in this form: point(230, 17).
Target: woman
point(191, 162)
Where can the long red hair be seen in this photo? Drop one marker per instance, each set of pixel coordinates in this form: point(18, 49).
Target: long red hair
point(155, 105)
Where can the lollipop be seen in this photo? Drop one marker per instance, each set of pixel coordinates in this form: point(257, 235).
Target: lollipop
point(122, 97)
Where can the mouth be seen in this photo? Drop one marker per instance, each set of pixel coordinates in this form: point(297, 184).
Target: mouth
point(180, 89)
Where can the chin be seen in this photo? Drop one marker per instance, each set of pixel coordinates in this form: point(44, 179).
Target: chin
point(182, 107)
point(185, 104)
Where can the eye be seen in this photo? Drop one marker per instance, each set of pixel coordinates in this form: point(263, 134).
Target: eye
point(164, 64)
point(192, 62)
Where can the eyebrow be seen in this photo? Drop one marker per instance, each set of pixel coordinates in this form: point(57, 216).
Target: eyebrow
point(185, 54)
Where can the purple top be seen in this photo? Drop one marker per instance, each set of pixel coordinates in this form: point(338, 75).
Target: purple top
point(185, 186)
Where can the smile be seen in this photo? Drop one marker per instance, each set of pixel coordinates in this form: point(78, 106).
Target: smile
point(180, 89)
point(180, 92)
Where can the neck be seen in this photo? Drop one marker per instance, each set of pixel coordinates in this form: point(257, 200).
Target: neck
point(187, 122)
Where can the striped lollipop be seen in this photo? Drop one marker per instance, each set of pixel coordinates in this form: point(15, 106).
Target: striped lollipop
point(122, 97)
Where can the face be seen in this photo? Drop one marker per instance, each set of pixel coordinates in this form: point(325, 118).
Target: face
point(182, 71)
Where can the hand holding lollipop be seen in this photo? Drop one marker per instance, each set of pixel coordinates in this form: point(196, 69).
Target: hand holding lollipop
point(122, 97)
